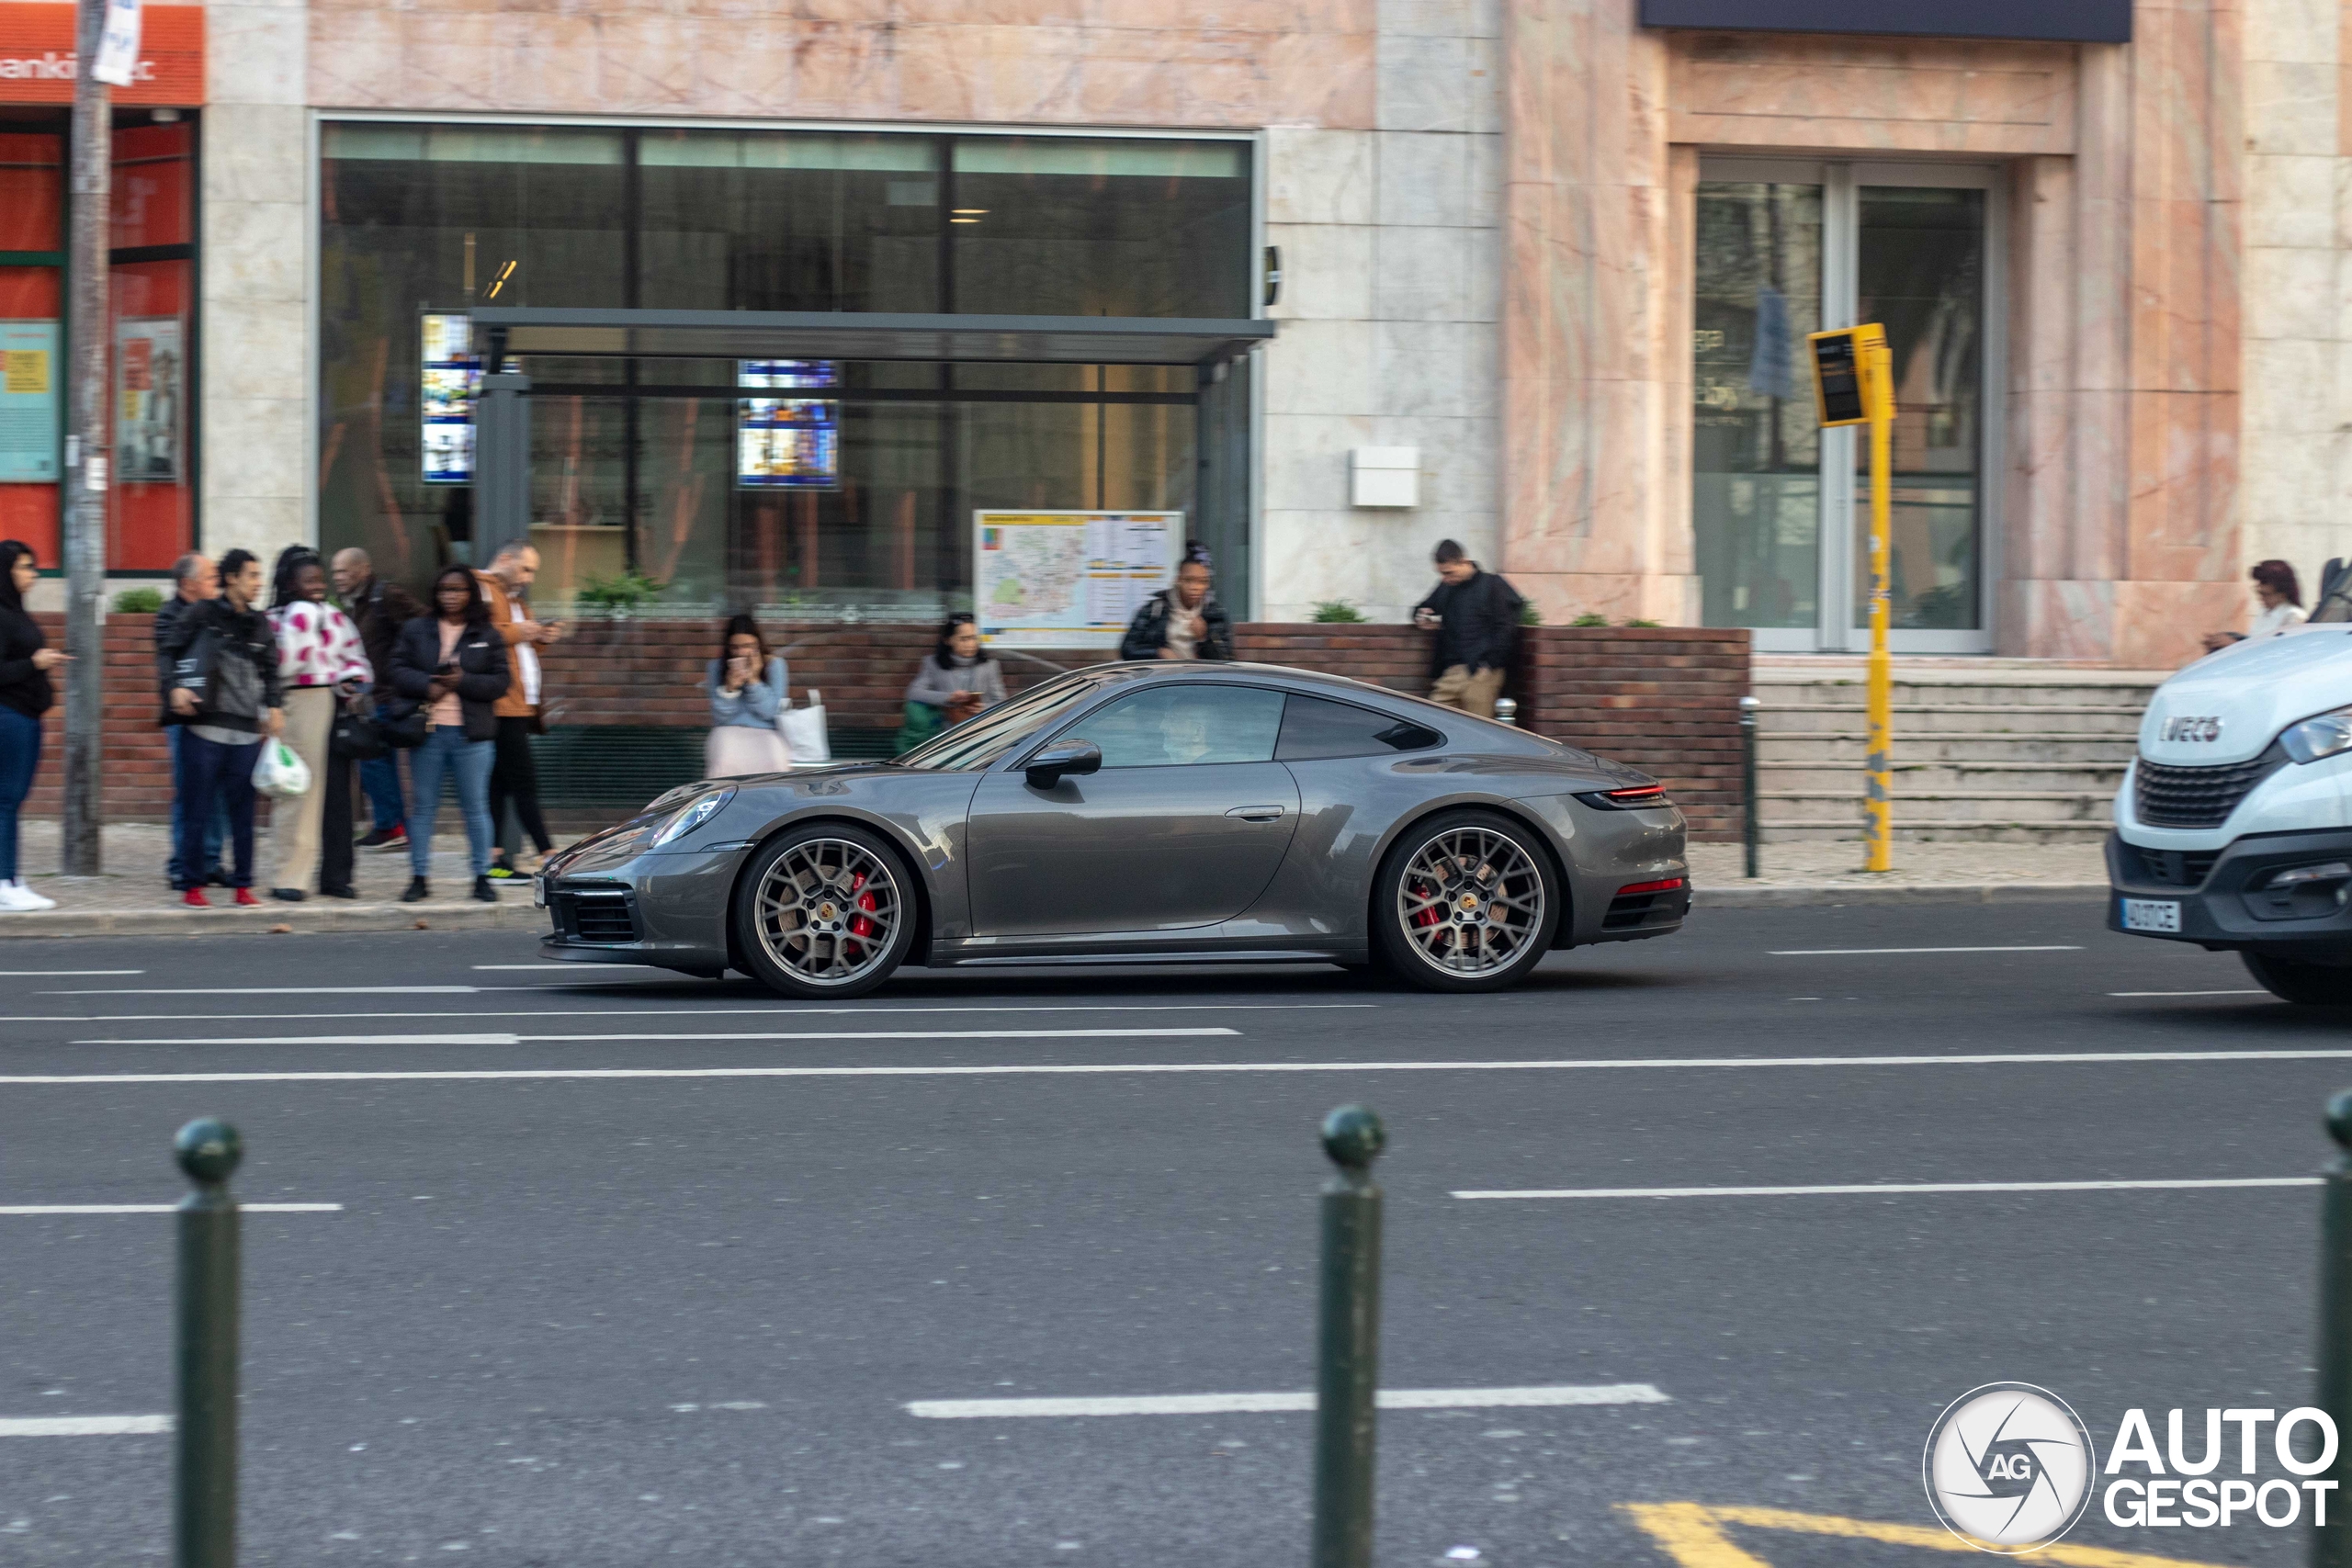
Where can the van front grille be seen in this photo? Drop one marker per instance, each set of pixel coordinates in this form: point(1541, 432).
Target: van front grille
point(2166, 796)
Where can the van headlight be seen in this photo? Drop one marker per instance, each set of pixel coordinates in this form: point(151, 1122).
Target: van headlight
point(2324, 735)
point(693, 816)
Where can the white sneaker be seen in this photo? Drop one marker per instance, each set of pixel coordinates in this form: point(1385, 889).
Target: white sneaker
point(17, 895)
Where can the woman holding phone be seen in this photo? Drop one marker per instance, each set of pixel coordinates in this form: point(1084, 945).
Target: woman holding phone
point(957, 681)
point(452, 662)
point(748, 689)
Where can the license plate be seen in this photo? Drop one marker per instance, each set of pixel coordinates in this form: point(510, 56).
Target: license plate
point(539, 893)
point(2151, 915)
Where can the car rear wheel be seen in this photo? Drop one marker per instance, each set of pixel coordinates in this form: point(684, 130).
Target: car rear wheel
point(1465, 901)
point(826, 911)
point(2292, 980)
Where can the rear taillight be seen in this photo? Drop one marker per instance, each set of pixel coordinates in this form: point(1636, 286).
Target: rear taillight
point(1633, 798)
point(1671, 885)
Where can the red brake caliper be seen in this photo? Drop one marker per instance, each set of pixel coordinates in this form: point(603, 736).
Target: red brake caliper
point(858, 924)
point(1427, 915)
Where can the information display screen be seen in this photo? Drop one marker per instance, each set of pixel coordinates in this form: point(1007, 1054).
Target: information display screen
point(787, 443)
point(451, 382)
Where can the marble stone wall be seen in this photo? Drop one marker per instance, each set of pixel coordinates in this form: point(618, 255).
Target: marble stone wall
point(1391, 264)
point(2297, 441)
point(256, 277)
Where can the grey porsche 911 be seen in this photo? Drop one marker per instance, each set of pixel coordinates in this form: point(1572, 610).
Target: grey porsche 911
point(1143, 814)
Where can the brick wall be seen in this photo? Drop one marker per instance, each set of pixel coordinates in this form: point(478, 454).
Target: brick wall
point(1663, 699)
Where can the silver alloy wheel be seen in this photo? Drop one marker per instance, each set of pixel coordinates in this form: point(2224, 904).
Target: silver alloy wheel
point(1470, 901)
point(828, 910)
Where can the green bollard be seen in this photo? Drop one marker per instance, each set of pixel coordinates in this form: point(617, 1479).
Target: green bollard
point(1347, 1372)
point(2330, 1545)
point(204, 1501)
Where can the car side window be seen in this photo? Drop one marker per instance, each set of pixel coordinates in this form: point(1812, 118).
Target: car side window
point(1170, 726)
point(1316, 727)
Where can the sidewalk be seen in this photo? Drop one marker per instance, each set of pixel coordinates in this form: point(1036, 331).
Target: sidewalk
point(1830, 873)
point(132, 900)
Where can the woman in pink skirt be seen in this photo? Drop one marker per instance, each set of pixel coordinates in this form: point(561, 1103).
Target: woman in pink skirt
point(747, 686)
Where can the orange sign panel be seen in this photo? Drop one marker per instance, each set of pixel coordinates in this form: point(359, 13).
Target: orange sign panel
point(36, 54)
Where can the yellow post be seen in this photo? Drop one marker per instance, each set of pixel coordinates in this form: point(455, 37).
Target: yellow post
point(1878, 805)
point(1853, 383)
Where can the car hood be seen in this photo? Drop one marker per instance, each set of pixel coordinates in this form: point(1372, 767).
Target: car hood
point(2229, 706)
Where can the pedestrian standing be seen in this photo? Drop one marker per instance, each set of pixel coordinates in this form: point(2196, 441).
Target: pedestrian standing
point(224, 689)
point(1475, 617)
point(194, 579)
point(956, 682)
point(1183, 621)
point(514, 781)
point(379, 609)
point(26, 694)
point(453, 664)
point(320, 666)
point(748, 688)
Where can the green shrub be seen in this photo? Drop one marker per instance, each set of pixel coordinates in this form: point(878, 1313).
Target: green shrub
point(1529, 615)
point(1591, 618)
point(139, 600)
point(1339, 612)
point(621, 593)
point(1638, 623)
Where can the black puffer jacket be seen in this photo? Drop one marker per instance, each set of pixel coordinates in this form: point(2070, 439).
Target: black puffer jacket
point(481, 671)
point(1147, 633)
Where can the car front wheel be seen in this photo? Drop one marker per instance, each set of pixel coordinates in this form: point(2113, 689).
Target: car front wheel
point(2292, 980)
point(826, 911)
point(1465, 901)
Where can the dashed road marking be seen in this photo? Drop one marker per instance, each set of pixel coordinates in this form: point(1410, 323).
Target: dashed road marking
point(82, 1426)
point(1549, 1394)
point(1693, 1534)
point(1873, 952)
point(804, 1034)
point(1876, 1189)
point(23, 1210)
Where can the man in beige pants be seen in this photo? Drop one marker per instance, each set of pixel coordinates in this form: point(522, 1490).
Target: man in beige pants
point(1475, 617)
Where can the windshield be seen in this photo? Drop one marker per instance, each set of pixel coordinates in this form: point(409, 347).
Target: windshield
point(980, 740)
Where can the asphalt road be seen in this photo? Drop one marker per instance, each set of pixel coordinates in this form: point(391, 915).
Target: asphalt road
point(627, 1319)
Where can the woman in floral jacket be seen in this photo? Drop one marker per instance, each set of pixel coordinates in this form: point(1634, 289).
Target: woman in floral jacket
point(320, 664)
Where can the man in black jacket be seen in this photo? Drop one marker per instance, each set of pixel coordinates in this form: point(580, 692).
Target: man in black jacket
point(380, 609)
point(1183, 621)
point(1475, 617)
point(194, 580)
point(223, 690)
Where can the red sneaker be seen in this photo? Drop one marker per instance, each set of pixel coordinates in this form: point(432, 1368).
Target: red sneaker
point(246, 899)
point(195, 899)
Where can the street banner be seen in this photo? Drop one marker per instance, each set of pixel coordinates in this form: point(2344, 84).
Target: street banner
point(118, 61)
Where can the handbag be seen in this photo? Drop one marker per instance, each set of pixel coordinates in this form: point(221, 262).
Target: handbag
point(804, 730)
point(280, 771)
point(922, 722)
point(356, 736)
point(404, 723)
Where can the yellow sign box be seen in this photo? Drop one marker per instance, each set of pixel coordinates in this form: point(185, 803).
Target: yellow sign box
point(24, 371)
point(1850, 378)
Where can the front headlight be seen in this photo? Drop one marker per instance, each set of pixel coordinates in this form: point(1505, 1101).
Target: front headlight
point(2324, 735)
point(693, 816)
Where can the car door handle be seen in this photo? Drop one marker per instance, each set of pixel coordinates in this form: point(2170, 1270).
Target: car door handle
point(1257, 813)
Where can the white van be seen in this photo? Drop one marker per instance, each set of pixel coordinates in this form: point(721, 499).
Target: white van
point(2233, 826)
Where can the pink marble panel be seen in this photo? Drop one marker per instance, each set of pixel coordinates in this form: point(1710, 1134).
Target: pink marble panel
point(2158, 621)
point(1879, 95)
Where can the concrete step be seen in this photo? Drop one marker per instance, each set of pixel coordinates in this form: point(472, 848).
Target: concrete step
point(1830, 747)
point(1994, 694)
point(1829, 830)
point(1915, 780)
point(1944, 806)
point(2083, 719)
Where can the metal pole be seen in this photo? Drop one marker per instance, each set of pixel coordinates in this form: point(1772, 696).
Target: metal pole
point(204, 1498)
point(2332, 1545)
point(84, 524)
point(1879, 370)
point(1751, 825)
point(1347, 1369)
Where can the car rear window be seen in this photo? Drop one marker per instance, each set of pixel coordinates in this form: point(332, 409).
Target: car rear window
point(1316, 727)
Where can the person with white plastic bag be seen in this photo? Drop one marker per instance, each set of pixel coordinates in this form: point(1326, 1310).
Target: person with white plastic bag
point(748, 689)
point(223, 687)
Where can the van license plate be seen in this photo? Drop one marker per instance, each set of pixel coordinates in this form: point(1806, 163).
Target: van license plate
point(2151, 915)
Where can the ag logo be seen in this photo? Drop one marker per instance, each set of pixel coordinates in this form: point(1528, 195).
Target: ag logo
point(2008, 1466)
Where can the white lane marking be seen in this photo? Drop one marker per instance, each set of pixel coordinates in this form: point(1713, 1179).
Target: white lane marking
point(530, 966)
point(61, 973)
point(82, 1426)
point(688, 1012)
point(1863, 951)
point(1880, 1190)
point(803, 1034)
point(2254, 993)
point(323, 990)
point(23, 1208)
point(1252, 1403)
point(1111, 1069)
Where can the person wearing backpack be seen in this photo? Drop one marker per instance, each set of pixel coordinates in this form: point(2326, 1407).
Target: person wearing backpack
point(223, 689)
point(1475, 617)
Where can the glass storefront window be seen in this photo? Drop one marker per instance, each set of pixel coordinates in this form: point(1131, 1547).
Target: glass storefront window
point(634, 462)
point(1922, 274)
point(1755, 449)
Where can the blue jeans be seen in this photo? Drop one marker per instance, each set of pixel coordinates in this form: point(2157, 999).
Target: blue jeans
point(216, 827)
point(20, 755)
point(380, 778)
point(210, 777)
point(467, 764)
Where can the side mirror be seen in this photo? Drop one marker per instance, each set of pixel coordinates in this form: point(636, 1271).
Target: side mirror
point(1048, 767)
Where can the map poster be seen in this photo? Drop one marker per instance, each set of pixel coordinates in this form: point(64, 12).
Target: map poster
point(150, 390)
point(29, 408)
point(1070, 579)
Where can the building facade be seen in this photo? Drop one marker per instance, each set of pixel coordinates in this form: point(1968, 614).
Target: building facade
point(1540, 272)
